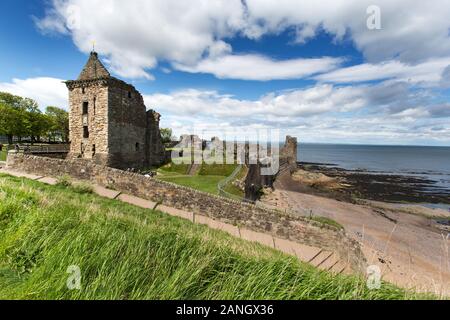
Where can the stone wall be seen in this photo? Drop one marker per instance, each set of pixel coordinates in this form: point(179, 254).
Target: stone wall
point(154, 146)
point(108, 121)
point(255, 181)
point(95, 94)
point(127, 126)
point(289, 151)
point(252, 217)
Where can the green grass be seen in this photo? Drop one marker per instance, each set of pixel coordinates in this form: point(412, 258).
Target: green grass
point(232, 189)
point(206, 180)
point(3, 154)
point(202, 183)
point(224, 170)
point(125, 252)
point(328, 221)
point(174, 168)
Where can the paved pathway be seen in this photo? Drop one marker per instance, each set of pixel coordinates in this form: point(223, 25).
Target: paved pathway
point(324, 260)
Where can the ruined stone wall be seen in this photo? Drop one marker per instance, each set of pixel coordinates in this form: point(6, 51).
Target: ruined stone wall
point(288, 152)
point(95, 93)
point(252, 217)
point(154, 147)
point(287, 161)
point(127, 127)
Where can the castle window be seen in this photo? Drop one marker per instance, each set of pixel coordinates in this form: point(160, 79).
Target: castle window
point(85, 132)
point(137, 146)
point(83, 91)
point(129, 94)
point(93, 150)
point(95, 100)
point(85, 107)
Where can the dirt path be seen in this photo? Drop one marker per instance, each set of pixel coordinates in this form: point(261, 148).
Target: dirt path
point(408, 249)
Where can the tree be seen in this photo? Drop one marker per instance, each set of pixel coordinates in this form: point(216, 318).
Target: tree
point(10, 100)
point(21, 117)
point(166, 135)
point(59, 122)
point(12, 122)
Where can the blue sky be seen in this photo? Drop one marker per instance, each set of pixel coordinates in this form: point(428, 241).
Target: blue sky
point(320, 74)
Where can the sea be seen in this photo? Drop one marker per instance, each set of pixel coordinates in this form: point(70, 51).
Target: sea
point(429, 162)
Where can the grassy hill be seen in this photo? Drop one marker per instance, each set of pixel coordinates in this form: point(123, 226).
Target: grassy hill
point(125, 252)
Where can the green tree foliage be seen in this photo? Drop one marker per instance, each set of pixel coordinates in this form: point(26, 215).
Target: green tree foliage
point(21, 117)
point(37, 124)
point(12, 121)
point(166, 135)
point(59, 123)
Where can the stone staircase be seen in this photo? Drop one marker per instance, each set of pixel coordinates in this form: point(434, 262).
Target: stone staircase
point(328, 261)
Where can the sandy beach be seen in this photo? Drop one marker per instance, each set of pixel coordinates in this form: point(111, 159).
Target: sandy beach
point(406, 242)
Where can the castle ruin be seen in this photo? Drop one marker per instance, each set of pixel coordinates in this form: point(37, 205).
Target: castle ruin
point(109, 123)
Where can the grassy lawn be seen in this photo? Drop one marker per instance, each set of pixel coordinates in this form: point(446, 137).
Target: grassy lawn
point(202, 183)
point(232, 189)
point(125, 252)
point(174, 168)
point(206, 180)
point(223, 170)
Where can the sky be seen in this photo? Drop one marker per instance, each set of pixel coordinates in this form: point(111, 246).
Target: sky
point(344, 71)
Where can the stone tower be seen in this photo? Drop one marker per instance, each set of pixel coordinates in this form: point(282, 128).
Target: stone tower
point(109, 123)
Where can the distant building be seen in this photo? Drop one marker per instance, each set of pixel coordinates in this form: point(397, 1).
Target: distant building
point(109, 123)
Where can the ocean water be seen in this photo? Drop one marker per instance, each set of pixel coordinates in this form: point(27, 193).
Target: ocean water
point(428, 162)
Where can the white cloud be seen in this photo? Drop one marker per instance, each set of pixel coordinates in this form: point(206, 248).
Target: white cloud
point(322, 113)
point(376, 130)
point(411, 30)
point(46, 91)
point(257, 67)
point(270, 107)
point(428, 73)
point(136, 34)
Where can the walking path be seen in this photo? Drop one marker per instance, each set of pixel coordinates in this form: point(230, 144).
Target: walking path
point(324, 260)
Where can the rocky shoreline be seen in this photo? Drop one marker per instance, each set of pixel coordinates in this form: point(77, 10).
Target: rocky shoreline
point(394, 188)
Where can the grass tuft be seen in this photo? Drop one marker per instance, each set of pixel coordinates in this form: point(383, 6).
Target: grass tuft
point(82, 188)
point(328, 221)
point(64, 181)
